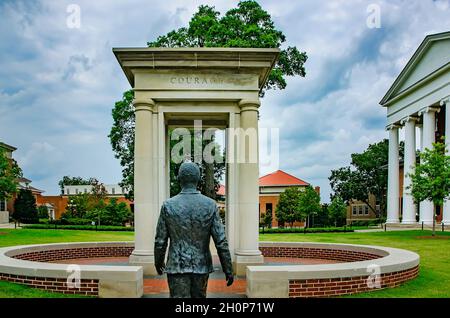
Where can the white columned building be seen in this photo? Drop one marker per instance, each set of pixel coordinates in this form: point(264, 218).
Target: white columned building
point(419, 97)
point(177, 87)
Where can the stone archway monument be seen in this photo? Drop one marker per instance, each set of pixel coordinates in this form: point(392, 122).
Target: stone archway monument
point(173, 87)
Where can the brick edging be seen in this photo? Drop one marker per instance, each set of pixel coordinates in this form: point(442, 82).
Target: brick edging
point(330, 287)
point(334, 254)
point(88, 287)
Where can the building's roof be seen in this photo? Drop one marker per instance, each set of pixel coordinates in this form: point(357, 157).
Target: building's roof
point(280, 178)
point(221, 190)
point(410, 66)
point(24, 180)
point(7, 147)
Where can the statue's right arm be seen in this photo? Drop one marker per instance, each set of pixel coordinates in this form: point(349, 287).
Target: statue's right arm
point(161, 239)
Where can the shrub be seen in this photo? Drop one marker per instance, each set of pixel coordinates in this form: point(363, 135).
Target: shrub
point(79, 227)
point(308, 230)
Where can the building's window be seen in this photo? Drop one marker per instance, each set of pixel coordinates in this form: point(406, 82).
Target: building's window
point(360, 210)
point(269, 207)
point(354, 211)
point(366, 210)
point(76, 191)
point(2, 205)
point(378, 209)
point(85, 190)
point(68, 191)
point(113, 190)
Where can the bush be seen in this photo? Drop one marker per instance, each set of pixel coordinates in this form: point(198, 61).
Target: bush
point(78, 227)
point(307, 230)
point(74, 221)
point(366, 222)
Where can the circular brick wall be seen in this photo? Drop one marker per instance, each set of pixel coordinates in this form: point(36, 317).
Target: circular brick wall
point(361, 268)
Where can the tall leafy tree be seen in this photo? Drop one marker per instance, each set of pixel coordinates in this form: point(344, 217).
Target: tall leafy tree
point(337, 211)
point(308, 204)
point(366, 175)
point(25, 209)
point(431, 177)
point(9, 174)
point(247, 25)
point(287, 209)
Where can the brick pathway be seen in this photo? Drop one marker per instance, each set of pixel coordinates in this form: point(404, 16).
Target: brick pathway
point(156, 286)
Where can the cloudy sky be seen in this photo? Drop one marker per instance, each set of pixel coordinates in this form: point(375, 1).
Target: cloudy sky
point(59, 84)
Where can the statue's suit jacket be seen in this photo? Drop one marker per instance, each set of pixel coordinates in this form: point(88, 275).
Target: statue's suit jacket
point(190, 219)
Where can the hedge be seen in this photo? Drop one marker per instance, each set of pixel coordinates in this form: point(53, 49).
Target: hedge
point(78, 227)
point(307, 230)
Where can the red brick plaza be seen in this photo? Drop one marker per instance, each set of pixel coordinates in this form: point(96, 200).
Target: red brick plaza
point(157, 286)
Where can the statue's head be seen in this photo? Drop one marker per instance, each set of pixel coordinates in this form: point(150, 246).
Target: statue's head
point(188, 175)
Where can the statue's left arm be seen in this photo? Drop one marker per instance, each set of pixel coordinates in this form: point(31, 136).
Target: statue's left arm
point(220, 240)
point(161, 239)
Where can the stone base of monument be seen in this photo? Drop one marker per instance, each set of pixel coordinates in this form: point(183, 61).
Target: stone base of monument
point(242, 261)
point(146, 261)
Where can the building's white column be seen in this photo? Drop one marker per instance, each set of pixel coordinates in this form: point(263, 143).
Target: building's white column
point(446, 102)
point(428, 138)
point(144, 205)
point(393, 177)
point(248, 251)
point(409, 208)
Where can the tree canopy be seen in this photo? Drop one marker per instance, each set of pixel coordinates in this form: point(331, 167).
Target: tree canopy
point(9, 174)
point(431, 177)
point(246, 26)
point(25, 209)
point(366, 175)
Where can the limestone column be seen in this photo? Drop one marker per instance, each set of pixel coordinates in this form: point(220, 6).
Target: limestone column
point(144, 206)
point(446, 102)
point(248, 252)
point(393, 177)
point(428, 138)
point(409, 208)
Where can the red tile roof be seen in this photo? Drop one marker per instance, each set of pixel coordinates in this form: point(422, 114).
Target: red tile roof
point(221, 190)
point(280, 178)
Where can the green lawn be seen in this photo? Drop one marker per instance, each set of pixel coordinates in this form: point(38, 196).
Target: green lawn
point(433, 281)
point(434, 276)
point(10, 237)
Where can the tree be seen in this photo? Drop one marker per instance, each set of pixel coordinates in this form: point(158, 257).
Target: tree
point(308, 204)
point(366, 175)
point(338, 211)
point(25, 210)
point(211, 173)
point(287, 209)
point(67, 180)
point(77, 206)
point(248, 25)
point(431, 178)
point(267, 219)
point(9, 174)
point(323, 219)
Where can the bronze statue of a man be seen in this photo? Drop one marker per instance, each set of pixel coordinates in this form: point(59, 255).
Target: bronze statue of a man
point(189, 219)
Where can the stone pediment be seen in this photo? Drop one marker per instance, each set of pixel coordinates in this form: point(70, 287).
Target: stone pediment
point(431, 58)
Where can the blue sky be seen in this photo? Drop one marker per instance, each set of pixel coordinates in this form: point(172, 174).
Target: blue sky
point(58, 85)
